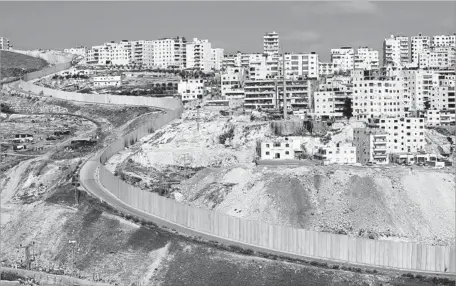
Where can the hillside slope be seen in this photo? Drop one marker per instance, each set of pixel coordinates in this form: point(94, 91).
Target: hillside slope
point(11, 64)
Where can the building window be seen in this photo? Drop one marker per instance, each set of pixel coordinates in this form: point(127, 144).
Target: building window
point(267, 153)
point(267, 146)
point(287, 153)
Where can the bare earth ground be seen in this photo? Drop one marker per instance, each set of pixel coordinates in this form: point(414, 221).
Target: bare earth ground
point(393, 202)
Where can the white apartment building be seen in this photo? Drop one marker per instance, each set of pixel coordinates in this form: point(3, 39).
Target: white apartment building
point(337, 154)
point(277, 150)
point(421, 86)
point(5, 43)
point(440, 117)
point(444, 41)
point(366, 59)
point(375, 95)
point(343, 58)
point(418, 45)
point(396, 51)
point(329, 100)
point(232, 83)
point(199, 54)
point(405, 134)
point(371, 145)
point(217, 58)
point(169, 52)
point(325, 105)
point(191, 89)
point(142, 53)
point(297, 65)
point(326, 69)
point(109, 54)
point(80, 51)
point(232, 60)
point(268, 94)
point(271, 44)
point(437, 58)
point(444, 99)
point(102, 81)
point(260, 66)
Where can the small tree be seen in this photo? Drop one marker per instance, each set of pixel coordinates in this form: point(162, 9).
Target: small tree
point(348, 109)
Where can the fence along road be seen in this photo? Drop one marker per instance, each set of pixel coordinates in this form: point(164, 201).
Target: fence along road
point(213, 225)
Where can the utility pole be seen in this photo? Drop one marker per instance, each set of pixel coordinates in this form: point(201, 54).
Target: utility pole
point(284, 88)
point(198, 117)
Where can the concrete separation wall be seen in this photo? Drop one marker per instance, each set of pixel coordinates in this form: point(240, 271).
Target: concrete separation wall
point(282, 240)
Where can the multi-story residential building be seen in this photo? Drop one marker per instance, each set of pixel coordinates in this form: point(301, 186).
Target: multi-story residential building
point(326, 69)
point(268, 94)
point(191, 89)
point(378, 95)
point(396, 51)
point(298, 65)
point(421, 86)
point(436, 117)
point(217, 58)
point(371, 145)
point(232, 86)
point(329, 100)
point(232, 60)
point(325, 105)
point(80, 51)
point(366, 59)
point(343, 58)
point(260, 66)
point(169, 52)
point(109, 54)
point(337, 154)
point(444, 41)
point(199, 54)
point(437, 58)
point(5, 44)
point(142, 53)
point(419, 44)
point(405, 134)
point(277, 150)
point(444, 99)
point(102, 81)
point(271, 44)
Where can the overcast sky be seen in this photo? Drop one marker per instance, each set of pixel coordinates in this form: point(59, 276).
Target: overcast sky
point(302, 26)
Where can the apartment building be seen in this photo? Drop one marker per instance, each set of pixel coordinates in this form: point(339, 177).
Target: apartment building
point(298, 65)
point(325, 105)
point(421, 86)
point(217, 58)
point(268, 94)
point(326, 69)
point(232, 86)
point(378, 95)
point(405, 134)
point(5, 43)
point(199, 54)
point(329, 99)
point(142, 53)
point(260, 66)
point(444, 41)
point(191, 89)
point(337, 154)
point(169, 52)
point(277, 150)
point(371, 145)
point(436, 117)
point(437, 58)
point(396, 51)
point(271, 44)
point(232, 60)
point(343, 58)
point(80, 51)
point(418, 45)
point(109, 54)
point(366, 59)
point(102, 81)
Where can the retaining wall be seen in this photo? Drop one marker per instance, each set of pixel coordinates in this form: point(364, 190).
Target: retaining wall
point(287, 240)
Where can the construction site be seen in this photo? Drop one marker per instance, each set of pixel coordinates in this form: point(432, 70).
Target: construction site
point(191, 163)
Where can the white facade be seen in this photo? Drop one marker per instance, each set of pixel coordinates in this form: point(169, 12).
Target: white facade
point(169, 52)
point(301, 65)
point(421, 85)
point(109, 54)
point(232, 83)
point(5, 43)
point(217, 58)
point(326, 69)
point(337, 154)
point(419, 44)
point(260, 67)
point(343, 58)
point(366, 59)
point(191, 89)
point(444, 41)
point(232, 60)
point(325, 104)
point(405, 134)
point(277, 150)
point(375, 96)
point(396, 51)
point(371, 145)
point(437, 58)
point(199, 55)
point(80, 51)
point(101, 81)
point(271, 44)
point(142, 53)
